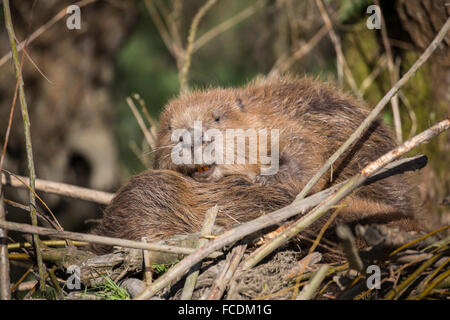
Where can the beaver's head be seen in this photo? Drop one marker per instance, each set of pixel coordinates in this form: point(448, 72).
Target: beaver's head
point(201, 136)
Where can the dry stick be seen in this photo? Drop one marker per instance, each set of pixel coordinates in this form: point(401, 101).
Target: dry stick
point(228, 271)
point(324, 228)
point(5, 293)
point(29, 148)
point(34, 64)
point(293, 21)
point(284, 65)
point(349, 247)
point(61, 14)
point(412, 114)
point(174, 50)
point(229, 23)
point(235, 234)
point(310, 289)
point(147, 134)
point(190, 45)
point(406, 245)
point(393, 76)
point(48, 243)
point(4, 259)
point(152, 123)
point(61, 189)
point(27, 209)
point(338, 48)
point(352, 184)
point(172, 20)
point(207, 229)
point(367, 82)
point(26, 228)
point(11, 114)
point(148, 272)
point(55, 221)
point(138, 153)
point(374, 113)
point(22, 278)
point(54, 280)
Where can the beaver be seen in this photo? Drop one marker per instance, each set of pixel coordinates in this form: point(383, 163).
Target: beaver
point(311, 119)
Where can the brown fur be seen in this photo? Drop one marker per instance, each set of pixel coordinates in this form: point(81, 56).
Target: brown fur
point(314, 119)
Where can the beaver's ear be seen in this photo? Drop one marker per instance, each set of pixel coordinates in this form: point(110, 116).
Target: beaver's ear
point(239, 104)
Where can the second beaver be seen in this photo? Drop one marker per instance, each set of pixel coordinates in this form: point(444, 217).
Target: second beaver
point(312, 120)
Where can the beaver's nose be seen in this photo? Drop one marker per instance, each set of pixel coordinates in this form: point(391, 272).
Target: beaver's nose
point(197, 136)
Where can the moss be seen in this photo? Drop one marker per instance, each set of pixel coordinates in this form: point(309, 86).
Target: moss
point(362, 50)
point(428, 111)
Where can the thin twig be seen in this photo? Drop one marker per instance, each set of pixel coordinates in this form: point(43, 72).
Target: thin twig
point(379, 67)
point(411, 113)
point(338, 48)
point(147, 134)
point(139, 154)
point(28, 144)
point(378, 108)
point(310, 289)
point(174, 50)
point(148, 271)
point(14, 287)
point(48, 243)
point(190, 45)
point(433, 284)
point(351, 185)
point(284, 64)
point(228, 24)
point(349, 247)
point(191, 280)
point(228, 271)
point(406, 245)
point(311, 250)
point(393, 76)
point(152, 123)
point(54, 280)
point(61, 189)
point(61, 14)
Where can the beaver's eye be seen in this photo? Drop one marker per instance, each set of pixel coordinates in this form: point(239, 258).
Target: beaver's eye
point(217, 118)
point(169, 127)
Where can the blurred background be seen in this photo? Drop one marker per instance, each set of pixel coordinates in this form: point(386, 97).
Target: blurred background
point(77, 81)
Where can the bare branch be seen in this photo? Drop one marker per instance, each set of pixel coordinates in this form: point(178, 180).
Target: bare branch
point(190, 45)
point(338, 47)
point(229, 23)
point(26, 228)
point(393, 76)
point(191, 280)
point(62, 189)
point(61, 14)
point(28, 144)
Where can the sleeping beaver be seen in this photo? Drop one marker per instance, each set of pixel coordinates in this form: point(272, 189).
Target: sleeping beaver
point(311, 120)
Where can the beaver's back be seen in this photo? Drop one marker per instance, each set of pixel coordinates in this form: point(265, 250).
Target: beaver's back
point(324, 118)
